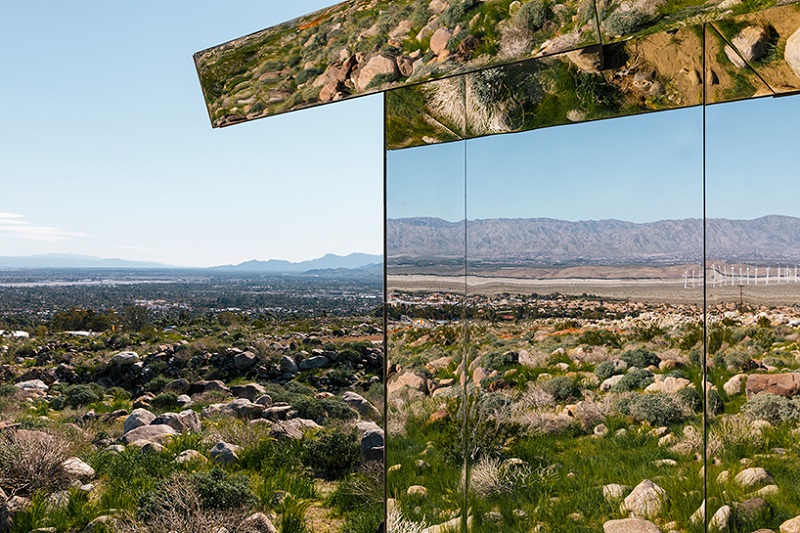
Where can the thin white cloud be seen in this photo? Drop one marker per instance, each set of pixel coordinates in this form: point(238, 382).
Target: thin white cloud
point(15, 226)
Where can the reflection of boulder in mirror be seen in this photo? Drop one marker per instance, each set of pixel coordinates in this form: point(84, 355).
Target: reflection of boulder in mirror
point(768, 42)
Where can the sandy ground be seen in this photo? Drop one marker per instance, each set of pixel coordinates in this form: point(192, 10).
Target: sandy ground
point(644, 290)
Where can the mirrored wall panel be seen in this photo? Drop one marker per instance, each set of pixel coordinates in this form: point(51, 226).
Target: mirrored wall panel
point(585, 306)
point(425, 240)
point(768, 42)
point(753, 291)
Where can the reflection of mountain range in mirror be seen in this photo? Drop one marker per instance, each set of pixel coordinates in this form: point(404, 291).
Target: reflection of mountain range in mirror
point(549, 242)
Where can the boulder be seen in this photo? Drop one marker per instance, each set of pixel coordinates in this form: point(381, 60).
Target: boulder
point(244, 360)
point(786, 385)
point(721, 521)
point(360, 404)
point(276, 412)
point(372, 445)
point(258, 522)
point(199, 387)
point(183, 422)
point(587, 59)
point(614, 492)
point(791, 526)
point(398, 382)
point(667, 384)
point(251, 391)
point(376, 66)
point(177, 386)
point(288, 366)
point(733, 386)
point(417, 491)
point(792, 53)
point(606, 385)
point(630, 525)
point(157, 434)
point(439, 40)
point(292, 429)
point(125, 358)
point(138, 418)
point(244, 408)
point(265, 400)
point(751, 478)
point(751, 44)
point(752, 509)
point(32, 385)
point(190, 456)
point(224, 453)
point(75, 468)
point(645, 501)
point(184, 400)
point(317, 361)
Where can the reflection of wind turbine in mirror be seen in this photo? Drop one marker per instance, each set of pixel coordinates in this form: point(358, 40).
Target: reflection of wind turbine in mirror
point(685, 279)
point(756, 276)
point(767, 280)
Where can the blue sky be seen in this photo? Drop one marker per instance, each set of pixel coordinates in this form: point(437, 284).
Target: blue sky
point(106, 147)
point(642, 168)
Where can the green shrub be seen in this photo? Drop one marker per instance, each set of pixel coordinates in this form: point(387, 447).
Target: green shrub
point(626, 22)
point(601, 337)
point(659, 409)
point(76, 396)
point(772, 408)
point(562, 389)
point(156, 384)
point(714, 403)
point(497, 359)
point(165, 400)
point(308, 74)
point(640, 358)
point(457, 13)
point(313, 408)
point(635, 378)
point(7, 389)
point(534, 14)
point(691, 398)
point(332, 453)
point(219, 489)
point(605, 370)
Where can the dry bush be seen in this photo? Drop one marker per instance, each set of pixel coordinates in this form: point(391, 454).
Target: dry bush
point(235, 431)
point(446, 100)
point(397, 523)
point(31, 460)
point(177, 506)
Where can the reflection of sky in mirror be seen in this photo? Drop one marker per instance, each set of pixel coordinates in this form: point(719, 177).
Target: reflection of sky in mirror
point(640, 169)
point(751, 156)
point(426, 182)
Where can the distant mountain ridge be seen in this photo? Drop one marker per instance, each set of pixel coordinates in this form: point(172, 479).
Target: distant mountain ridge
point(326, 262)
point(545, 240)
point(72, 261)
point(277, 266)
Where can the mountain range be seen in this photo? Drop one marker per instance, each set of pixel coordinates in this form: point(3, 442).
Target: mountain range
point(56, 261)
point(544, 240)
point(326, 262)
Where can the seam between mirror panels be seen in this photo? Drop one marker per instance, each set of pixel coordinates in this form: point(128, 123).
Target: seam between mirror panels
point(705, 292)
point(465, 356)
point(385, 365)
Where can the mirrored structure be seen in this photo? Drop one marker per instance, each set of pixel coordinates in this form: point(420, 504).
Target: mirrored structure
point(591, 259)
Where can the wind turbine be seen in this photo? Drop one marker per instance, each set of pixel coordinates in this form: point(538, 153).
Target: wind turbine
point(767, 282)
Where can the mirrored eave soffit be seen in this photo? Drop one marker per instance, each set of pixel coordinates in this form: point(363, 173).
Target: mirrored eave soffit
point(361, 47)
